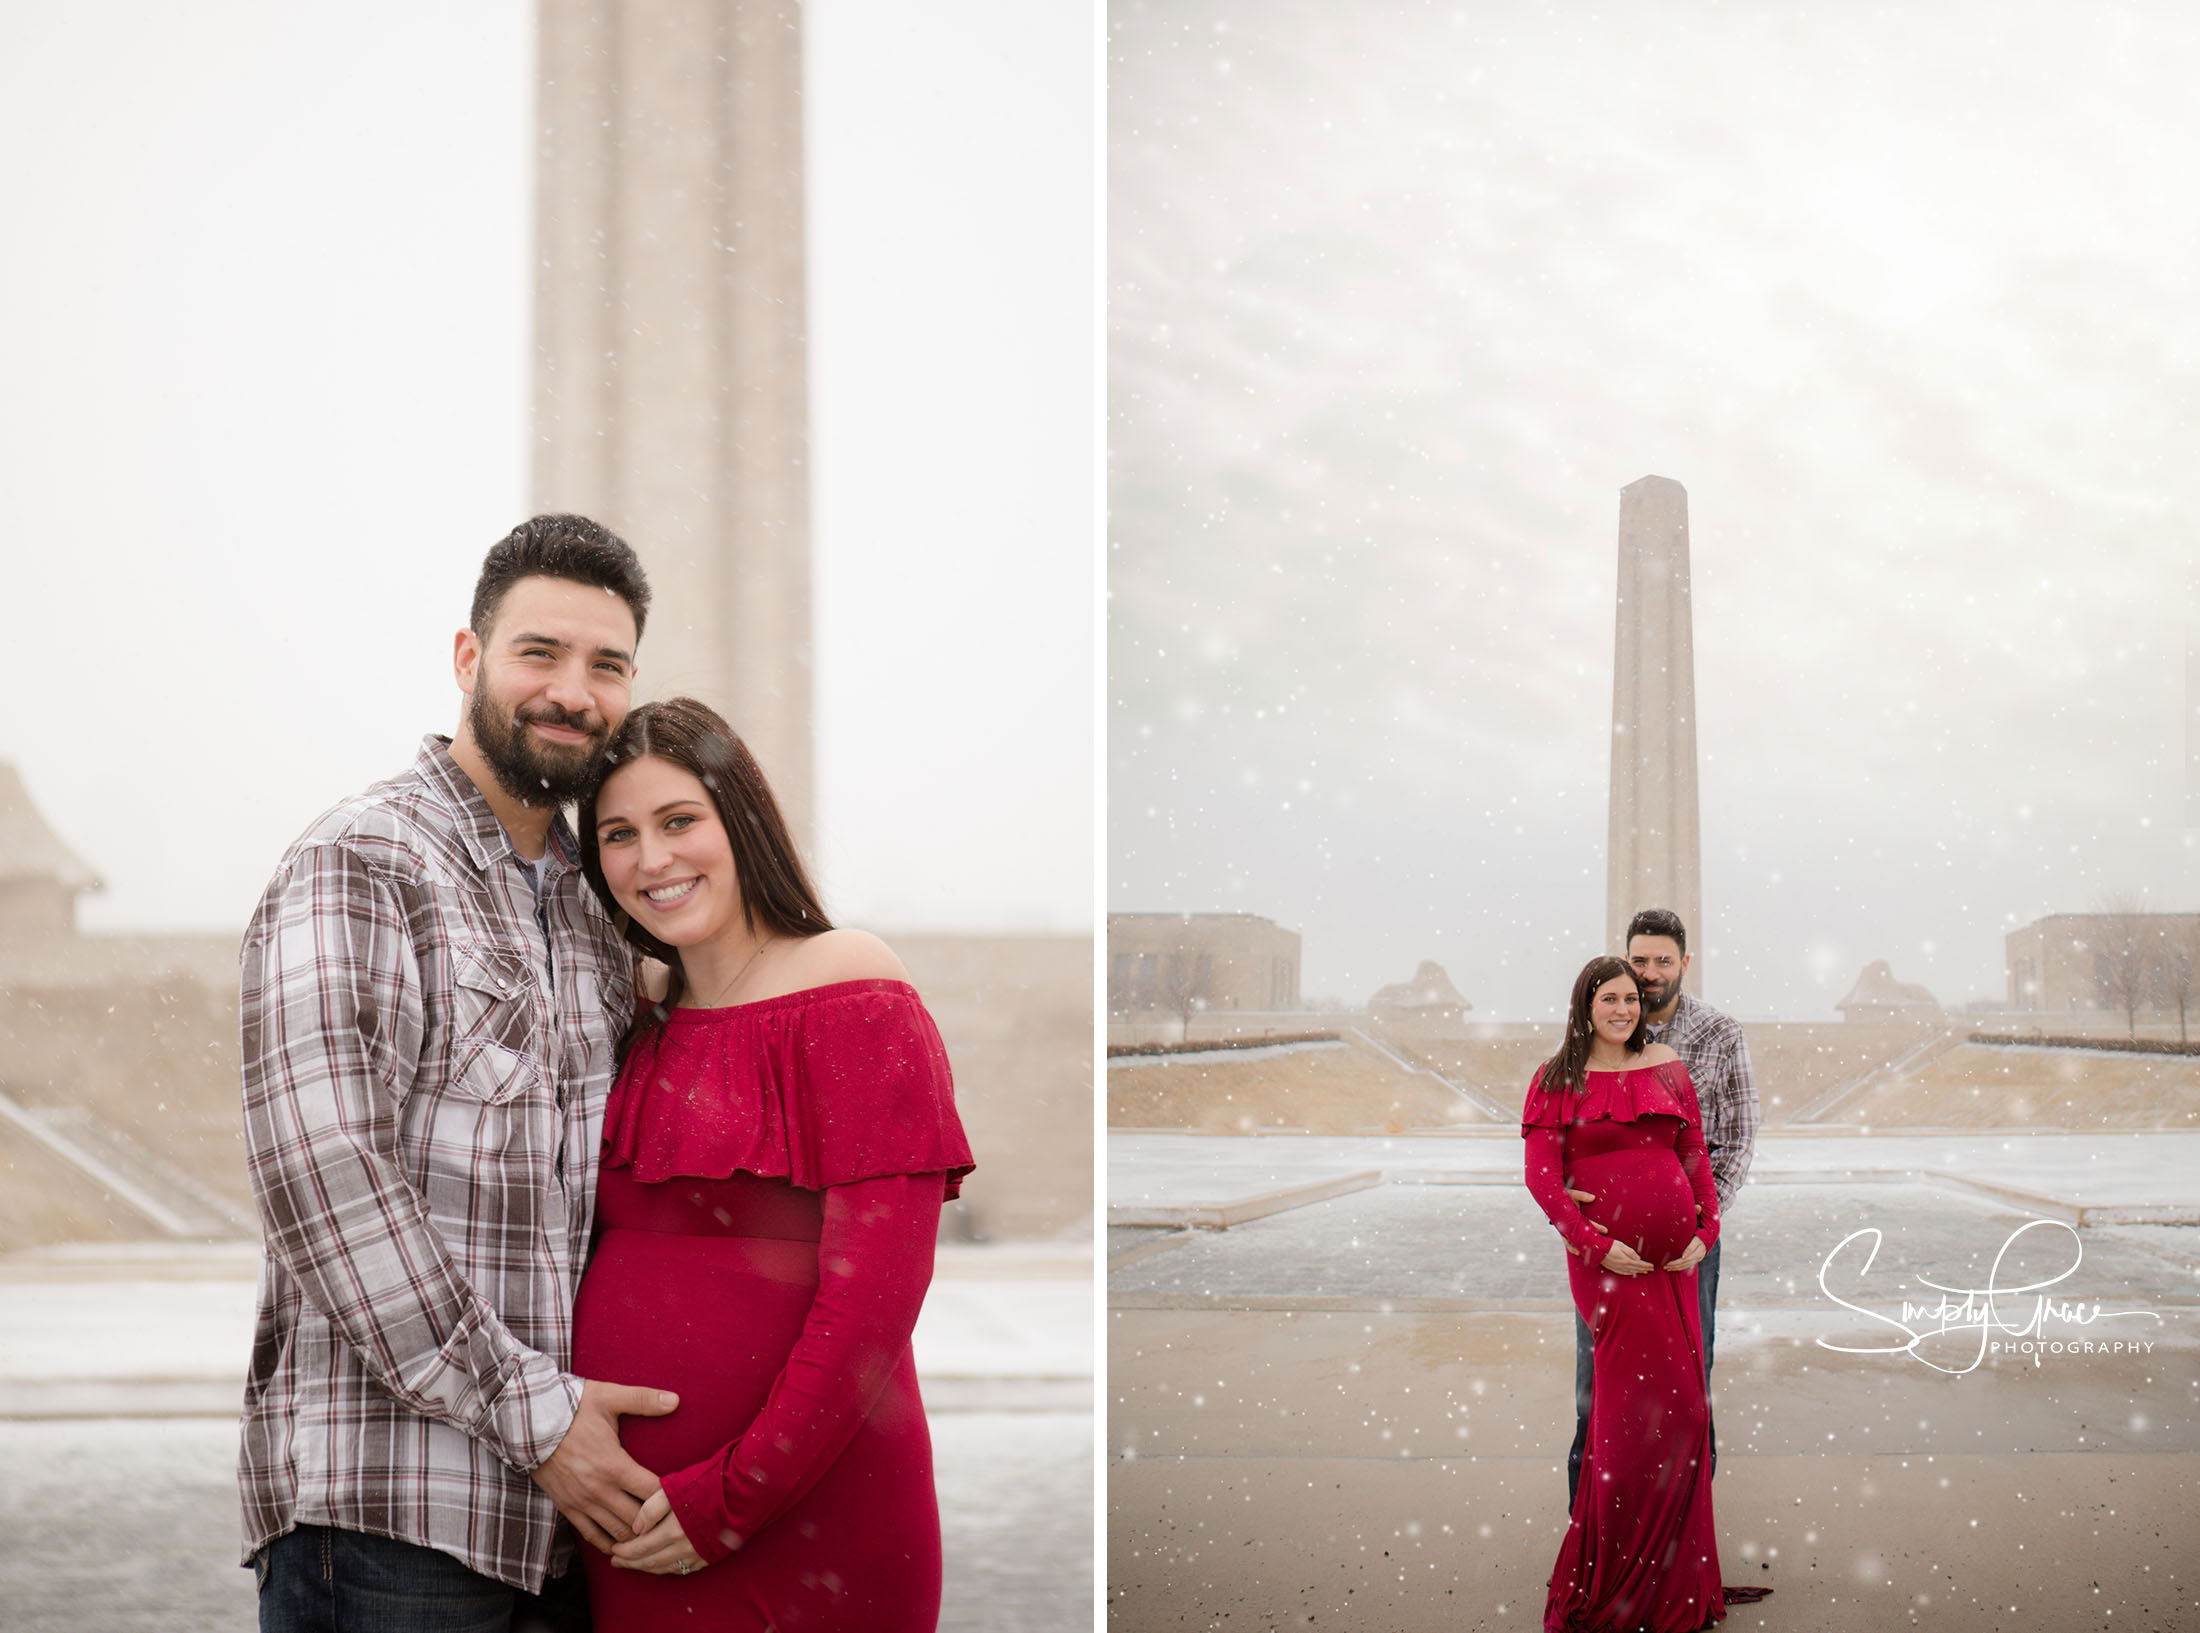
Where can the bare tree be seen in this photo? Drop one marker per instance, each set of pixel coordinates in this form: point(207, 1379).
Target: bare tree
point(1185, 979)
point(2123, 963)
point(2181, 969)
point(1119, 985)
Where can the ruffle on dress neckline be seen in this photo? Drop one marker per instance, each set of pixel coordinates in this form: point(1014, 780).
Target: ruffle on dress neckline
point(1624, 1096)
point(821, 1087)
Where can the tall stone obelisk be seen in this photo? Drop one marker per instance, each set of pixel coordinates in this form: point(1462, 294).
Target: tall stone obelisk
point(1655, 855)
point(671, 400)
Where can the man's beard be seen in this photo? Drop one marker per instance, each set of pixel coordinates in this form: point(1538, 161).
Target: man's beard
point(531, 773)
point(1655, 994)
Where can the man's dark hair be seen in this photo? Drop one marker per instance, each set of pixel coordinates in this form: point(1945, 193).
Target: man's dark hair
point(568, 547)
point(1658, 921)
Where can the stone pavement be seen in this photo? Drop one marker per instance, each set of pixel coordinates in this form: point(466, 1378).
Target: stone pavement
point(121, 1367)
point(1350, 1410)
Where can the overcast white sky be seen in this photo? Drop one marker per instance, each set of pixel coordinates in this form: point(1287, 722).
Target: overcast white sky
point(1402, 295)
point(265, 407)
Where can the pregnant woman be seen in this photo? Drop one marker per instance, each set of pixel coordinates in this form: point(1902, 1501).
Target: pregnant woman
point(1615, 1119)
point(775, 1154)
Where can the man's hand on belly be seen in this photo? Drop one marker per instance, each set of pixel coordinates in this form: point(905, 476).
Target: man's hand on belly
point(590, 1477)
point(1585, 1196)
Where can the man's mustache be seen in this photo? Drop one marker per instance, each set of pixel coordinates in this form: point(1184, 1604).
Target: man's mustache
point(553, 714)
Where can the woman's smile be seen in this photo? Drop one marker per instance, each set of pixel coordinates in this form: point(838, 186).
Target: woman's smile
point(661, 841)
point(1616, 1008)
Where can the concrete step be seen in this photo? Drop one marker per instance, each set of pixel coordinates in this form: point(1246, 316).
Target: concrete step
point(171, 1200)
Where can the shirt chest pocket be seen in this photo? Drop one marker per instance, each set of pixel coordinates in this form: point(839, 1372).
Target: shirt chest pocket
point(491, 1037)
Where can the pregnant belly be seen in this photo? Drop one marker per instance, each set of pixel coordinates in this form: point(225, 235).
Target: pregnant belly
point(710, 1318)
point(1642, 1199)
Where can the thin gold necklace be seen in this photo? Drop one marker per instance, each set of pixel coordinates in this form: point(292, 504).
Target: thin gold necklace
point(743, 970)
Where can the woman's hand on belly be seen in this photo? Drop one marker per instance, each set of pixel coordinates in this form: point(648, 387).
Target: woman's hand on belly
point(1691, 1255)
point(659, 1545)
point(1623, 1260)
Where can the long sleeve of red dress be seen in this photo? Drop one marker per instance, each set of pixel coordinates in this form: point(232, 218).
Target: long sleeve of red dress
point(1696, 1164)
point(1547, 1184)
point(874, 1264)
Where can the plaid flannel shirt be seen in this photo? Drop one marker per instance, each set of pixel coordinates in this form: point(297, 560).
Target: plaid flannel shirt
point(1711, 1045)
point(422, 1110)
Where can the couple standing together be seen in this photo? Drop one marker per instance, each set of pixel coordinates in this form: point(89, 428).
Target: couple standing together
point(539, 1246)
point(1638, 1134)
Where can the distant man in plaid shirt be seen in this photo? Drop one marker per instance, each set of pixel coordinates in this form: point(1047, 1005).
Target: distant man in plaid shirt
point(430, 1000)
point(1716, 1054)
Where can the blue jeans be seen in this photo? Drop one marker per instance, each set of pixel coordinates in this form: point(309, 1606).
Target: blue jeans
point(317, 1579)
point(1707, 1299)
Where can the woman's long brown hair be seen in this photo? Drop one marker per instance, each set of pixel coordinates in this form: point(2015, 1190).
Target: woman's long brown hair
point(1569, 1068)
point(775, 887)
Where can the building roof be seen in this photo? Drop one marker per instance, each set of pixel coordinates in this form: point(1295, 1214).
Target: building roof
point(2095, 918)
point(1193, 918)
point(29, 849)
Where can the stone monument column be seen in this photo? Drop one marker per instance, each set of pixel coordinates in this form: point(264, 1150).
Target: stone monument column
point(1654, 859)
point(2192, 716)
point(671, 399)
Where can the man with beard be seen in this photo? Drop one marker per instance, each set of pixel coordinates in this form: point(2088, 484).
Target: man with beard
point(431, 997)
point(1711, 1046)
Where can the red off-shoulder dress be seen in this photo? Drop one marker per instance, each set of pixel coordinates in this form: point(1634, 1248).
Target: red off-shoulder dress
point(769, 1196)
point(1641, 1551)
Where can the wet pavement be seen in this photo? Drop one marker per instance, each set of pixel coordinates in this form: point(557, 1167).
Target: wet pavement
point(1349, 1409)
point(1487, 1245)
point(118, 1526)
point(120, 1369)
point(2156, 1170)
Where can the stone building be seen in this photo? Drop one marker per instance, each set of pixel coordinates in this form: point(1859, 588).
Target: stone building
point(2078, 961)
point(1429, 999)
point(1182, 964)
point(40, 877)
point(41, 880)
point(1877, 997)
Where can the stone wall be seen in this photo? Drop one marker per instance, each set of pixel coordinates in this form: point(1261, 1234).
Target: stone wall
point(1212, 962)
point(1016, 1015)
point(145, 1075)
point(143, 1072)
